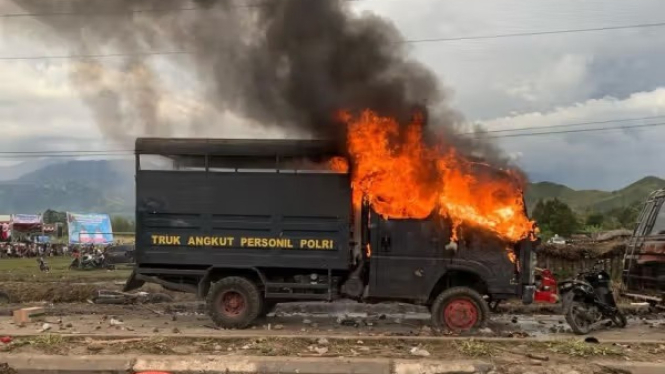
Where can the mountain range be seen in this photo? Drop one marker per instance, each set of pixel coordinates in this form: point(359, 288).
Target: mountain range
point(586, 201)
point(75, 186)
point(108, 187)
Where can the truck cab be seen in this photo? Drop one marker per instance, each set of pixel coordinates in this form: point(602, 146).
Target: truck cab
point(246, 224)
point(644, 261)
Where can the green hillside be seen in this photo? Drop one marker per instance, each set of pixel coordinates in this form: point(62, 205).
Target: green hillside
point(78, 186)
point(583, 201)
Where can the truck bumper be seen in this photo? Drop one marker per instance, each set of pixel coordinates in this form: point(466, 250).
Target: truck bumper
point(528, 293)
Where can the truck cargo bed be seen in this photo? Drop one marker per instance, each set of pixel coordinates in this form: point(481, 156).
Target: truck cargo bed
point(243, 218)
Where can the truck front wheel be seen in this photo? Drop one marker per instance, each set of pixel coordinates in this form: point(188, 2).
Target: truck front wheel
point(459, 309)
point(234, 302)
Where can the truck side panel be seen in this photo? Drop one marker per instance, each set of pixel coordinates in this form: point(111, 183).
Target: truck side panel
point(255, 219)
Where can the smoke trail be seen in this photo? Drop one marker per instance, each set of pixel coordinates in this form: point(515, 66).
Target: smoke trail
point(289, 64)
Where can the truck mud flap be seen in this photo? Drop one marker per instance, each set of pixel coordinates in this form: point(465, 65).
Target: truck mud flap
point(133, 283)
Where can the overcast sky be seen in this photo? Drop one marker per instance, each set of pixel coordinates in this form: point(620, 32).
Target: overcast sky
point(504, 83)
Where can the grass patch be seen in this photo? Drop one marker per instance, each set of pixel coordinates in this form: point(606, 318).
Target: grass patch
point(50, 343)
point(579, 348)
point(27, 270)
point(474, 348)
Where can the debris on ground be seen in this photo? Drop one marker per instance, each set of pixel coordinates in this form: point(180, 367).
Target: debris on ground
point(117, 297)
point(537, 357)
point(417, 351)
point(45, 327)
point(28, 315)
point(426, 331)
point(321, 350)
point(591, 340)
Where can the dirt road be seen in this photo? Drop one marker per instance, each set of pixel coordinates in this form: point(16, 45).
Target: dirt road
point(156, 319)
point(512, 344)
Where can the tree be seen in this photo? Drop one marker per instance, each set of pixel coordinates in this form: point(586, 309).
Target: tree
point(555, 216)
point(52, 216)
point(625, 217)
point(595, 219)
point(122, 224)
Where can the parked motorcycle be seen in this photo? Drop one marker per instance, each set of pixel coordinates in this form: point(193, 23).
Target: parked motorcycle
point(90, 262)
point(588, 301)
point(43, 265)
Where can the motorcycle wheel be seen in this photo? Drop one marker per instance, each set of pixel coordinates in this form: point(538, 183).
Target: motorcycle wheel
point(575, 316)
point(619, 320)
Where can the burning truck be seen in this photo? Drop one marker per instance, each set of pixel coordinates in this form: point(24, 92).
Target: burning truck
point(246, 224)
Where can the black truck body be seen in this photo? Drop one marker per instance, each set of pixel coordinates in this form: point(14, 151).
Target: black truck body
point(266, 216)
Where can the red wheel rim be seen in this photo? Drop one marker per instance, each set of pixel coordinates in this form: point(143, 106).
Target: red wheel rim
point(460, 315)
point(232, 303)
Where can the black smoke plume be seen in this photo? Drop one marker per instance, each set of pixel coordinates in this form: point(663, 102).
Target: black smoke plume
point(290, 64)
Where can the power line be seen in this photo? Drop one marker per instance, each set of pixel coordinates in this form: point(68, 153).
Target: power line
point(107, 153)
point(563, 126)
point(535, 33)
point(408, 41)
point(580, 130)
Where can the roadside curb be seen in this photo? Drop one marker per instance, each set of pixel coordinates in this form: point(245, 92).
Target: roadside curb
point(634, 367)
point(117, 364)
point(44, 364)
point(233, 334)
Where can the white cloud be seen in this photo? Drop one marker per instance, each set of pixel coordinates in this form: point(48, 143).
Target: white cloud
point(553, 82)
point(603, 159)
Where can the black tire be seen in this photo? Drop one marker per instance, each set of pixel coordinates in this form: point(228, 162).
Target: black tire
point(574, 320)
point(619, 320)
point(459, 309)
point(242, 305)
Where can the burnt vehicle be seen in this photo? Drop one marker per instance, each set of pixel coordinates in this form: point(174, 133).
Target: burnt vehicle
point(644, 261)
point(246, 224)
point(588, 301)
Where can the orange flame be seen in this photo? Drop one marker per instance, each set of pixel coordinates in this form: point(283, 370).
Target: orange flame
point(339, 164)
point(402, 177)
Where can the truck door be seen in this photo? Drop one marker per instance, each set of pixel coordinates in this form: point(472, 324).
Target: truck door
point(406, 258)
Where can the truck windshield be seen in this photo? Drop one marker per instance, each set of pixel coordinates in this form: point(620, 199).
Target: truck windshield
point(659, 224)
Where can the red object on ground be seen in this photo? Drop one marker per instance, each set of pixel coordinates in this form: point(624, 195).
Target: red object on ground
point(6, 339)
point(547, 291)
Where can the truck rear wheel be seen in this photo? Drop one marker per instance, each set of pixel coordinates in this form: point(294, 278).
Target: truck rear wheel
point(234, 302)
point(459, 309)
